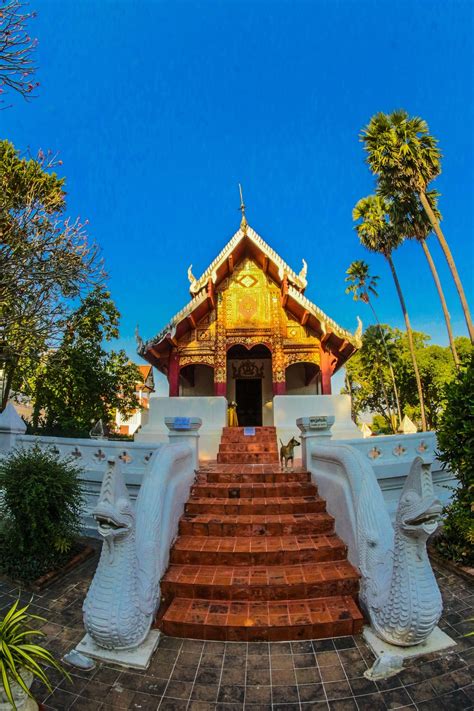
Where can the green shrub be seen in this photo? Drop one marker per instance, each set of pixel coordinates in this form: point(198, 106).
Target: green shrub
point(19, 653)
point(40, 507)
point(456, 450)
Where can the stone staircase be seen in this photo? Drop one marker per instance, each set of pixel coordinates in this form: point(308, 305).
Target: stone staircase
point(257, 557)
point(237, 447)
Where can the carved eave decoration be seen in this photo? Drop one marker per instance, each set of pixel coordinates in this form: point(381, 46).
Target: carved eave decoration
point(334, 338)
point(247, 243)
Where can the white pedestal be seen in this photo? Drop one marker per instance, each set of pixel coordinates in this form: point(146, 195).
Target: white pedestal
point(137, 658)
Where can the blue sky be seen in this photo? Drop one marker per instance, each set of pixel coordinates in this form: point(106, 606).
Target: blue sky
point(159, 110)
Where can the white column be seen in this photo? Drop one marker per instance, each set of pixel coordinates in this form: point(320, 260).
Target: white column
point(312, 427)
point(11, 426)
point(184, 430)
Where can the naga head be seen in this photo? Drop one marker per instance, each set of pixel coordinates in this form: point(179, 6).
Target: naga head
point(114, 512)
point(419, 510)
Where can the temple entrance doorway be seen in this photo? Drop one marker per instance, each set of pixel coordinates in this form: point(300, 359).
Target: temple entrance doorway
point(249, 383)
point(248, 395)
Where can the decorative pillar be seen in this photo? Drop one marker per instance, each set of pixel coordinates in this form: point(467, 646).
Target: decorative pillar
point(220, 389)
point(279, 388)
point(311, 428)
point(173, 373)
point(278, 355)
point(11, 427)
point(184, 430)
point(328, 363)
point(220, 360)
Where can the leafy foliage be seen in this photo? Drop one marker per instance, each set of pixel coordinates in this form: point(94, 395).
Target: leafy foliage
point(361, 284)
point(40, 509)
point(370, 377)
point(456, 450)
point(405, 158)
point(45, 259)
point(80, 382)
point(401, 151)
point(18, 653)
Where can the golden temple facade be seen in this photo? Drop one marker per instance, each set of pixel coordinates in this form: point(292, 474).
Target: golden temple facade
point(249, 333)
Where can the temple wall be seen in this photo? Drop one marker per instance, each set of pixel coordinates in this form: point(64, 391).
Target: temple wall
point(295, 385)
point(203, 383)
point(287, 409)
point(211, 410)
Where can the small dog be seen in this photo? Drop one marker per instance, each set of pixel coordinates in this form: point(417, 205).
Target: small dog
point(287, 452)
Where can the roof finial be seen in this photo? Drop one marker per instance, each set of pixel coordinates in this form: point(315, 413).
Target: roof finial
point(243, 222)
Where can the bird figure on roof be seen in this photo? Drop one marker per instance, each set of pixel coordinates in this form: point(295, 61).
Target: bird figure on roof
point(191, 277)
point(304, 271)
point(138, 339)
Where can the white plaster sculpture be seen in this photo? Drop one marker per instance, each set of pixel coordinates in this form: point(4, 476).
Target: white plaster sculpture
point(366, 431)
point(407, 426)
point(124, 594)
point(384, 667)
point(398, 590)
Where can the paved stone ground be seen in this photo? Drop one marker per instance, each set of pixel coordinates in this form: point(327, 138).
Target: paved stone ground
point(200, 676)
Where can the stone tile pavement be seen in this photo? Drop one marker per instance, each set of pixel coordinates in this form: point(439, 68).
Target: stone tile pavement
point(280, 676)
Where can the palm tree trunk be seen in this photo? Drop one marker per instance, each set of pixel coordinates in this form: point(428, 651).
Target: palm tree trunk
point(390, 417)
point(447, 317)
point(410, 342)
point(450, 260)
point(8, 374)
point(392, 373)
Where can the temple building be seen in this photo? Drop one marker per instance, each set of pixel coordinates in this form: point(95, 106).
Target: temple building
point(249, 333)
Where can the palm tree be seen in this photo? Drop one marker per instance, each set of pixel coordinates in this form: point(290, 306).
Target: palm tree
point(362, 284)
point(401, 151)
point(412, 222)
point(378, 234)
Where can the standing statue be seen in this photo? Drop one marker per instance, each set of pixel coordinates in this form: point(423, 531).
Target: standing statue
point(398, 588)
point(114, 614)
point(124, 595)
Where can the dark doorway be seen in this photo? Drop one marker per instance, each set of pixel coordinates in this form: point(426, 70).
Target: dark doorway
point(248, 396)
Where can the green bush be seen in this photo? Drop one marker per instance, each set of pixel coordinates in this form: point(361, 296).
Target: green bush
point(40, 508)
point(456, 450)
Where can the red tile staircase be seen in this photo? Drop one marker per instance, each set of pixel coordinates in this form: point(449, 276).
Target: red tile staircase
point(257, 557)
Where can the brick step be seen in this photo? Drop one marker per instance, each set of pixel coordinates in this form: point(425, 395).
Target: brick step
point(247, 447)
point(274, 582)
point(258, 525)
point(264, 550)
point(263, 620)
point(270, 505)
point(265, 429)
point(248, 439)
point(254, 476)
point(260, 457)
point(227, 490)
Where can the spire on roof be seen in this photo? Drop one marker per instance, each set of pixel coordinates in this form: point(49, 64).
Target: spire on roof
point(243, 221)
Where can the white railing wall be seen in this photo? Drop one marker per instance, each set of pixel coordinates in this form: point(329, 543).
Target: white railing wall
point(91, 456)
point(391, 457)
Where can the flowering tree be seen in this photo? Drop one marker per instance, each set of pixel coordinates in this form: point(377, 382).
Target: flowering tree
point(16, 49)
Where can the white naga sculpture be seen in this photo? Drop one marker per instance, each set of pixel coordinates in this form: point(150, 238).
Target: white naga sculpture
point(124, 595)
point(399, 590)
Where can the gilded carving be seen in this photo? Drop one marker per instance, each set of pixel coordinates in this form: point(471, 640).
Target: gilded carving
point(247, 369)
point(300, 356)
point(247, 297)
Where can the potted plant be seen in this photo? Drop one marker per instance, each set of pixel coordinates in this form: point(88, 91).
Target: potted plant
point(21, 660)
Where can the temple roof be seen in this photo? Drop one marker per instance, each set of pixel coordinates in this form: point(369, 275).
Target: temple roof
point(246, 242)
point(246, 233)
